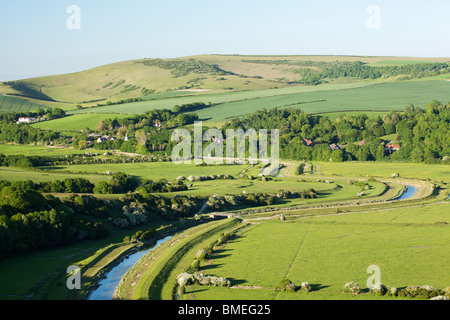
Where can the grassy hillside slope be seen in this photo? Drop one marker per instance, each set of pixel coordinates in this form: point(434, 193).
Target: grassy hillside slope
point(152, 79)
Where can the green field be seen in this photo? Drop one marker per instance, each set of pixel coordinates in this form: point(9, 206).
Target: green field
point(380, 97)
point(219, 98)
point(384, 170)
point(371, 97)
point(327, 239)
point(13, 104)
point(332, 251)
point(77, 122)
point(39, 150)
point(324, 247)
point(18, 174)
point(152, 170)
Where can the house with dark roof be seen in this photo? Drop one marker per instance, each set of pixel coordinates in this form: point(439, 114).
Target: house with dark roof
point(392, 148)
point(335, 146)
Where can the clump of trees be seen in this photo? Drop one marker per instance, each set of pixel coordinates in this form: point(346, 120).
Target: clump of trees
point(419, 292)
point(190, 107)
point(162, 186)
point(44, 229)
point(119, 183)
point(184, 279)
point(141, 235)
point(318, 72)
point(184, 67)
point(287, 285)
point(30, 221)
point(423, 134)
point(233, 202)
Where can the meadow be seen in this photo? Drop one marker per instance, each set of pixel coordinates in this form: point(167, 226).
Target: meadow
point(171, 171)
point(151, 170)
point(218, 98)
point(13, 104)
point(76, 122)
point(19, 174)
point(39, 150)
point(327, 241)
point(370, 97)
point(328, 252)
point(384, 170)
point(381, 97)
point(299, 248)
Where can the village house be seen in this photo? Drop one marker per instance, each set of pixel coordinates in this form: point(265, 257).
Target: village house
point(392, 148)
point(99, 138)
point(27, 120)
point(106, 138)
point(335, 146)
point(309, 142)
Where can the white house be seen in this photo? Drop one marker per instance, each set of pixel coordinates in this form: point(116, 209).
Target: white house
point(26, 120)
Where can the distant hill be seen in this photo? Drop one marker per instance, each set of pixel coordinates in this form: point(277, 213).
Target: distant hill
point(150, 79)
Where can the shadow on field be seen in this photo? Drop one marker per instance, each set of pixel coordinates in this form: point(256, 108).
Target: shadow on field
point(317, 286)
point(221, 256)
point(194, 291)
point(236, 282)
point(212, 266)
point(220, 251)
point(54, 168)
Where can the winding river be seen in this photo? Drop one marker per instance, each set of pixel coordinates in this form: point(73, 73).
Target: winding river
point(107, 286)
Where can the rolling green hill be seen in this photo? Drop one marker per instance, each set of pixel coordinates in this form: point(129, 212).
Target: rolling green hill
point(191, 77)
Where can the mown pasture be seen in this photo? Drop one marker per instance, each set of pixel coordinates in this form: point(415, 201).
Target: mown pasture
point(13, 104)
point(39, 150)
point(76, 122)
point(409, 245)
point(383, 170)
point(370, 97)
point(20, 174)
point(380, 97)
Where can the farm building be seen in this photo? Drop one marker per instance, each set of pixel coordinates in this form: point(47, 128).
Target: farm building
point(392, 148)
point(27, 120)
point(335, 147)
point(105, 138)
point(309, 142)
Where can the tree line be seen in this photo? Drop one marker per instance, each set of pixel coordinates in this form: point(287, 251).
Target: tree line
point(423, 134)
point(317, 72)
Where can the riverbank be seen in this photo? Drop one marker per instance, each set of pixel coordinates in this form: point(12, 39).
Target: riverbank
point(107, 287)
point(102, 263)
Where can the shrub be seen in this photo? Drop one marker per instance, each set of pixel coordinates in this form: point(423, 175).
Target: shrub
point(392, 292)
point(194, 267)
point(184, 279)
point(287, 285)
point(446, 291)
point(352, 287)
point(305, 287)
point(440, 298)
point(424, 292)
point(220, 282)
point(209, 250)
point(201, 255)
point(379, 289)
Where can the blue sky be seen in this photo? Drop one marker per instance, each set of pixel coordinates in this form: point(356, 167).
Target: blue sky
point(35, 40)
